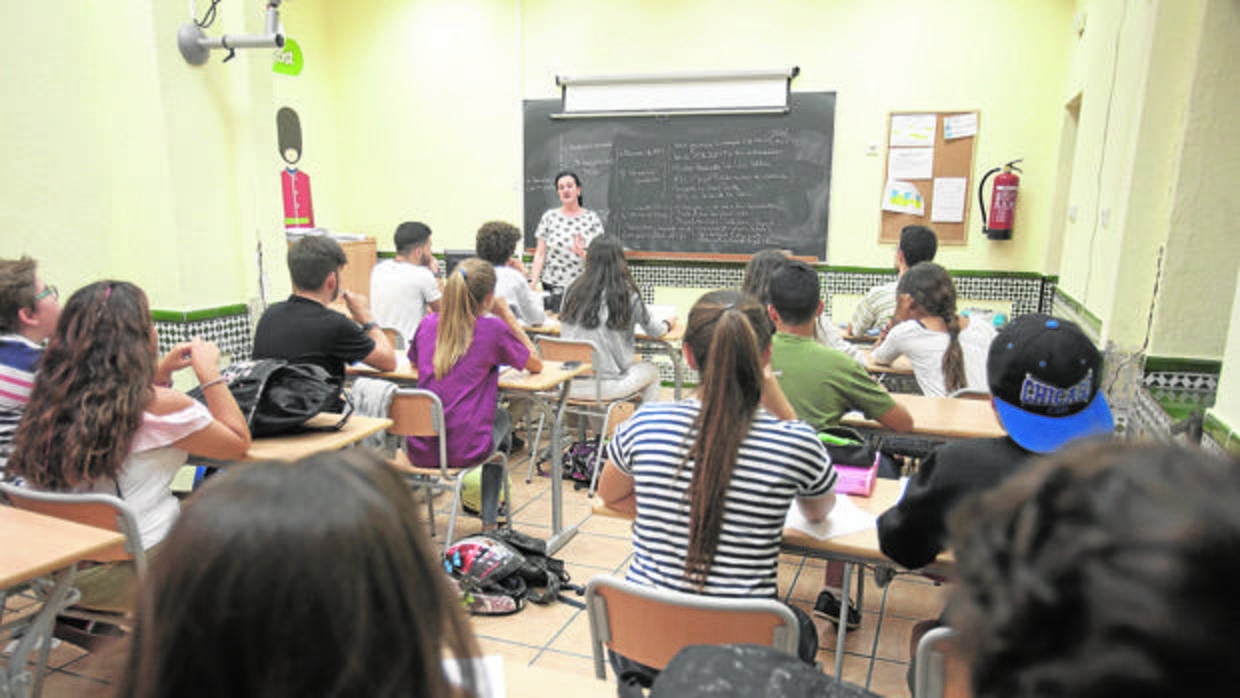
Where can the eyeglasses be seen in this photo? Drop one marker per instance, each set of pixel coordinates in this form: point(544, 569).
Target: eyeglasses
point(48, 291)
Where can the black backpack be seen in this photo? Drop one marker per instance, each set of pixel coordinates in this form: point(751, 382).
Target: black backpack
point(498, 572)
point(278, 397)
point(751, 671)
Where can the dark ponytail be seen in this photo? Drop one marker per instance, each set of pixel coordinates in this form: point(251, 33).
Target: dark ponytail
point(726, 333)
point(932, 290)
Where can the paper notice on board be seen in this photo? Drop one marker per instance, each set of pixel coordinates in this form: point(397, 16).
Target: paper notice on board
point(910, 163)
point(903, 197)
point(948, 206)
point(960, 126)
point(912, 129)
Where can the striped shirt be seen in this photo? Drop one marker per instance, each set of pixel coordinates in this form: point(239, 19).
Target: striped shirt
point(875, 309)
point(18, 359)
point(777, 462)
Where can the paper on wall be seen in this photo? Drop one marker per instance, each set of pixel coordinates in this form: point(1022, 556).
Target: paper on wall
point(910, 163)
point(912, 129)
point(948, 203)
point(960, 126)
point(845, 518)
point(903, 197)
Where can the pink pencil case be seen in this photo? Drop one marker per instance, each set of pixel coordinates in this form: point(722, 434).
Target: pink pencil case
point(853, 479)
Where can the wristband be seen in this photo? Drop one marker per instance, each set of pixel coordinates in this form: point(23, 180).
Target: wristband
point(214, 381)
point(368, 326)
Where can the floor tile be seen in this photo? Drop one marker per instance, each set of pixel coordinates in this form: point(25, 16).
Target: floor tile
point(568, 663)
point(534, 625)
point(575, 637)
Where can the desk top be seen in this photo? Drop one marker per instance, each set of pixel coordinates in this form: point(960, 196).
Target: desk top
point(858, 338)
point(294, 446)
point(32, 545)
point(553, 374)
point(900, 367)
point(861, 546)
point(953, 418)
point(551, 327)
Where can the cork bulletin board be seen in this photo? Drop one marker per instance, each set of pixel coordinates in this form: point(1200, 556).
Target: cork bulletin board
point(929, 155)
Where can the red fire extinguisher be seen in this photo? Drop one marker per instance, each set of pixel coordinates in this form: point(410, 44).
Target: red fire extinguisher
point(1002, 201)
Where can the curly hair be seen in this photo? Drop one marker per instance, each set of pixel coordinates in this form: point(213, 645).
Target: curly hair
point(1105, 570)
point(92, 386)
point(496, 241)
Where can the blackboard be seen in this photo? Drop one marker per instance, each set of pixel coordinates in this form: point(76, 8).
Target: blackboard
point(727, 184)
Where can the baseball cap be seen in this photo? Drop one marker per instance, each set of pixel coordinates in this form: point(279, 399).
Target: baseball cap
point(1045, 375)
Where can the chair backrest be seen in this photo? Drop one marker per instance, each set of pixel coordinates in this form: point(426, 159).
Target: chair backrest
point(560, 349)
point(940, 672)
point(650, 625)
point(418, 412)
point(395, 337)
point(97, 510)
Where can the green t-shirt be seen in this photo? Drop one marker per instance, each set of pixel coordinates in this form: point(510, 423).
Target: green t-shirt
point(822, 383)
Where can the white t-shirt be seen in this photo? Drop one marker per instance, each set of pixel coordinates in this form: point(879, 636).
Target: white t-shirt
point(399, 294)
point(145, 481)
point(924, 349)
point(511, 285)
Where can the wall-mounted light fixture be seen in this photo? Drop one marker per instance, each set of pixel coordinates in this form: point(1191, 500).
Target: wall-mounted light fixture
point(196, 46)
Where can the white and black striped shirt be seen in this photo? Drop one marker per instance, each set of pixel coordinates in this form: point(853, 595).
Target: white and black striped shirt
point(777, 462)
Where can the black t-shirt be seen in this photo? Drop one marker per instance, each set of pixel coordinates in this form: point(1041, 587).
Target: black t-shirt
point(914, 531)
point(305, 331)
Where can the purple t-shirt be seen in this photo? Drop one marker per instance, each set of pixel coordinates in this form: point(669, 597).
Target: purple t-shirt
point(469, 392)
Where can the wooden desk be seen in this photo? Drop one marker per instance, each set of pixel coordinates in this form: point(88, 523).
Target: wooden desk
point(540, 388)
point(33, 546)
point(668, 344)
point(295, 446)
point(858, 338)
point(900, 367)
point(943, 418)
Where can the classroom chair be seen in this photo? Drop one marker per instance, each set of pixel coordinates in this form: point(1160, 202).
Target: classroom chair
point(618, 413)
point(558, 349)
point(417, 412)
point(97, 510)
point(939, 671)
point(395, 337)
point(651, 625)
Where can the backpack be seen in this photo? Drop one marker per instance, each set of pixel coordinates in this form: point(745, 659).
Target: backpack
point(498, 572)
point(579, 462)
point(277, 397)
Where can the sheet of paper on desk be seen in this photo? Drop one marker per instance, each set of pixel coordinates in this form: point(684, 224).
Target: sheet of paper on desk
point(488, 671)
point(845, 518)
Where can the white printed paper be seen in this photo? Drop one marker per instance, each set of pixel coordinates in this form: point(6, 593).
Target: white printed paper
point(960, 126)
point(903, 197)
point(910, 163)
point(912, 129)
point(845, 518)
point(949, 195)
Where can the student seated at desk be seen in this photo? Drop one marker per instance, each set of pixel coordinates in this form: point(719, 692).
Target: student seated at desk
point(876, 310)
point(756, 283)
point(298, 579)
point(947, 350)
point(822, 385)
point(458, 353)
point(717, 530)
point(1103, 571)
point(1045, 384)
point(604, 306)
point(496, 242)
point(29, 309)
point(103, 418)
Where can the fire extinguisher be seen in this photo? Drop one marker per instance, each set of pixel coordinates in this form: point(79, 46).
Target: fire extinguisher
point(1002, 201)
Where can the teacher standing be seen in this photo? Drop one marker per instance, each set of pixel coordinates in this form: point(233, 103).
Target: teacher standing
point(563, 235)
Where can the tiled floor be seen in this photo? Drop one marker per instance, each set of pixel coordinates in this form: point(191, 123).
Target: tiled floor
point(557, 636)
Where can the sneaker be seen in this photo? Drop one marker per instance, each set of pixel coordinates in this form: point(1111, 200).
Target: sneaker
point(827, 606)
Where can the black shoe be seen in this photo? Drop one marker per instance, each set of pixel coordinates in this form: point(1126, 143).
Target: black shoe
point(516, 444)
point(827, 606)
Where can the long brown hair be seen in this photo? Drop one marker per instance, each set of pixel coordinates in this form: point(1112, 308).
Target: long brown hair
point(463, 292)
point(727, 332)
point(297, 579)
point(606, 279)
point(93, 383)
point(933, 292)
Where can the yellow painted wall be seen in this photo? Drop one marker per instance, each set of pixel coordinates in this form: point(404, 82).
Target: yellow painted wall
point(1227, 402)
point(1203, 253)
